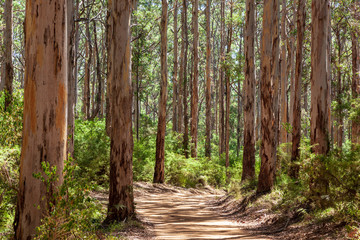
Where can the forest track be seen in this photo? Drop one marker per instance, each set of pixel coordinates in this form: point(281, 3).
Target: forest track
point(178, 213)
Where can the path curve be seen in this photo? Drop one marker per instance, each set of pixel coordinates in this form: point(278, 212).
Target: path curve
point(184, 214)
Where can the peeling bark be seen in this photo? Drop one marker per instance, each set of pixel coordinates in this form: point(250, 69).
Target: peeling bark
point(9, 71)
point(208, 82)
point(45, 110)
point(175, 76)
point(195, 97)
point(269, 78)
point(249, 94)
point(121, 198)
point(159, 174)
point(355, 85)
point(296, 124)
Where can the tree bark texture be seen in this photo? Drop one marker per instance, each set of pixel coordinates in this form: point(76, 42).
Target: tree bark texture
point(9, 71)
point(296, 124)
point(159, 175)
point(228, 93)
point(182, 70)
point(175, 76)
point(88, 56)
point(45, 110)
point(355, 85)
point(99, 80)
point(195, 89)
point(284, 76)
point(249, 94)
point(319, 76)
point(221, 80)
point(71, 12)
point(121, 199)
point(208, 82)
point(185, 87)
point(269, 78)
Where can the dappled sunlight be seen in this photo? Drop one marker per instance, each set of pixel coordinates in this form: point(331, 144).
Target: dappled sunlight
point(181, 214)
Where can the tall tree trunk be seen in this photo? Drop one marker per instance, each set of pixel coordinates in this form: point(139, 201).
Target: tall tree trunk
point(185, 91)
point(320, 104)
point(175, 76)
point(291, 65)
point(99, 80)
point(240, 96)
point(71, 13)
point(45, 111)
point(339, 129)
point(208, 82)
point(296, 124)
point(355, 85)
point(249, 94)
point(221, 81)
point(121, 147)
point(195, 97)
point(160, 138)
point(9, 71)
point(77, 39)
point(183, 63)
point(319, 76)
point(269, 78)
point(284, 76)
point(228, 94)
point(88, 56)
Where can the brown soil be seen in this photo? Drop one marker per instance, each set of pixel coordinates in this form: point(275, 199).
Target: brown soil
point(256, 216)
point(179, 213)
point(168, 212)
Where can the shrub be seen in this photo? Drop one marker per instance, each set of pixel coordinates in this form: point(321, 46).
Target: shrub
point(72, 214)
point(11, 120)
point(92, 150)
point(9, 174)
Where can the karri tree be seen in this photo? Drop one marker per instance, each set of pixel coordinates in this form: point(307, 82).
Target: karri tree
point(195, 80)
point(249, 90)
point(9, 70)
point(159, 174)
point(121, 198)
point(269, 77)
point(45, 110)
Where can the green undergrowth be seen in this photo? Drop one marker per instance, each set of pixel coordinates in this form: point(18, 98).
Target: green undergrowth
point(336, 199)
point(10, 142)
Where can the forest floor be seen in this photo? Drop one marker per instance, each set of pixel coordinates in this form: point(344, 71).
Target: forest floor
point(168, 212)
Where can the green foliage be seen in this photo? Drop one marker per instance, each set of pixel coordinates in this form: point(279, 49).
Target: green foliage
point(193, 172)
point(355, 110)
point(9, 174)
point(328, 185)
point(71, 213)
point(92, 150)
point(11, 120)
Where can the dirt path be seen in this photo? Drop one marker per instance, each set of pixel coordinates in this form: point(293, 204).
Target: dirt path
point(184, 214)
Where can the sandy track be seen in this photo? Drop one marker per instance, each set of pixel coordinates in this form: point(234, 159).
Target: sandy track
point(184, 214)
